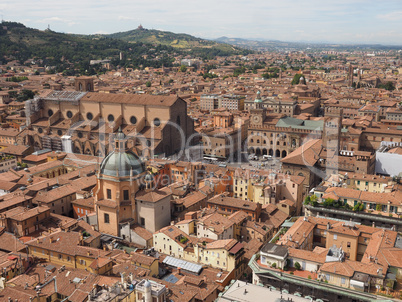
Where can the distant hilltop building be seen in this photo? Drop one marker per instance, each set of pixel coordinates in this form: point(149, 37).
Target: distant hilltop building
point(140, 27)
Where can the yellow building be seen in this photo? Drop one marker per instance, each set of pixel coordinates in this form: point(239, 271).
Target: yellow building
point(224, 254)
point(146, 262)
point(64, 248)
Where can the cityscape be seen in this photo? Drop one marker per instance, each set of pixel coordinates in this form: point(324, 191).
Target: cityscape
point(144, 164)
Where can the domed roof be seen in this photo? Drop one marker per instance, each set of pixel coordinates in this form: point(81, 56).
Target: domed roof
point(120, 164)
point(258, 97)
point(147, 284)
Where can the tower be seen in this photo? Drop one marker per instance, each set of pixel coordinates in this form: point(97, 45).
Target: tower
point(84, 84)
point(119, 179)
point(147, 291)
point(350, 75)
point(258, 113)
point(331, 141)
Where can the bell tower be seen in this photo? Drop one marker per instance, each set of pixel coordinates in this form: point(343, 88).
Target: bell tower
point(258, 113)
point(119, 179)
point(84, 84)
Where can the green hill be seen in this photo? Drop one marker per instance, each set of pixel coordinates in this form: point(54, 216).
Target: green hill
point(198, 46)
point(72, 53)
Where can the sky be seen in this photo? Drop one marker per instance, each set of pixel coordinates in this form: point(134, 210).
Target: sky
point(339, 21)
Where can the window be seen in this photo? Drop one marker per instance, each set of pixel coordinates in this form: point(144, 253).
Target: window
point(335, 236)
point(343, 280)
point(348, 244)
point(110, 118)
point(157, 122)
point(133, 120)
point(50, 112)
point(69, 114)
point(106, 218)
point(90, 116)
point(142, 221)
point(126, 195)
point(109, 193)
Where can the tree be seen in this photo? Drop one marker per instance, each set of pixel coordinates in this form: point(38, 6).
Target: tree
point(183, 68)
point(296, 78)
point(25, 94)
point(297, 266)
point(388, 86)
point(148, 84)
point(378, 207)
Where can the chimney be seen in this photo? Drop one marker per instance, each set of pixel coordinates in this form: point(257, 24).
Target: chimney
point(205, 279)
point(179, 270)
point(373, 225)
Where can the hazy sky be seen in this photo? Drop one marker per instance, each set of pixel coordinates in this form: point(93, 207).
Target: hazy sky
point(350, 21)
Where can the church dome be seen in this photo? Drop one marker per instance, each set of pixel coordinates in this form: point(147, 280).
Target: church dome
point(120, 164)
point(258, 98)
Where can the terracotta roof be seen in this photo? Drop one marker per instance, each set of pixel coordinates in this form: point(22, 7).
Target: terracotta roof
point(226, 244)
point(233, 202)
point(142, 259)
point(10, 243)
point(140, 231)
point(215, 222)
point(153, 196)
point(66, 243)
point(348, 268)
point(307, 154)
point(313, 256)
point(136, 99)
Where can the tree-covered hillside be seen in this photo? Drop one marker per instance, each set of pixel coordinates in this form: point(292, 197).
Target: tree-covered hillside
point(201, 47)
point(69, 52)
